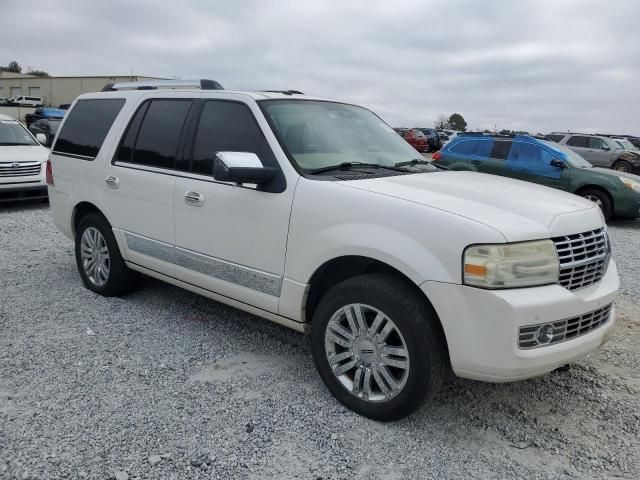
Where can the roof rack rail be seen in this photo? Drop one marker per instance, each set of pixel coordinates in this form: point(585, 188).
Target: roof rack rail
point(489, 134)
point(285, 92)
point(202, 84)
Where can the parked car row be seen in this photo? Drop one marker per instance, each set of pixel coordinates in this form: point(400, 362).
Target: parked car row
point(556, 165)
point(422, 139)
point(22, 101)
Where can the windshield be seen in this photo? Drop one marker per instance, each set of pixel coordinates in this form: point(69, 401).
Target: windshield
point(12, 133)
point(321, 134)
point(571, 157)
point(626, 144)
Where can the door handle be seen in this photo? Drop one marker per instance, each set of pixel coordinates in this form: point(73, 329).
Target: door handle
point(112, 182)
point(476, 162)
point(194, 199)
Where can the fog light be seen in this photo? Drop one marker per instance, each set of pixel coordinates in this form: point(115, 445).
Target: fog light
point(545, 334)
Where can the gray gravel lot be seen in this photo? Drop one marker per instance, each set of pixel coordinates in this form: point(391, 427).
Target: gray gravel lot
point(167, 384)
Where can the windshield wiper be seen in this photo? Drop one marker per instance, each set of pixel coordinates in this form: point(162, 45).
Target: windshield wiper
point(13, 144)
point(415, 161)
point(351, 165)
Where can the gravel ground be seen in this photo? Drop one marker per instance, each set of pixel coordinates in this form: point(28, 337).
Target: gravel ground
point(167, 384)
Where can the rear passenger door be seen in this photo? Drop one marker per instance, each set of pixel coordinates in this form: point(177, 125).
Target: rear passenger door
point(233, 240)
point(139, 183)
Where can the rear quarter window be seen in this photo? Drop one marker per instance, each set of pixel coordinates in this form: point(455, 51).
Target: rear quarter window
point(478, 148)
point(86, 127)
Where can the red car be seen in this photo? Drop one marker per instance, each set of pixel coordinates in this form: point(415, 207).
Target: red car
point(417, 139)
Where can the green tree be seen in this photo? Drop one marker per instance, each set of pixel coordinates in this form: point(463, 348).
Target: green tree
point(39, 73)
point(14, 67)
point(457, 122)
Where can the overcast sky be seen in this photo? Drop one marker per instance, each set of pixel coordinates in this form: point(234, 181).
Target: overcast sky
point(535, 65)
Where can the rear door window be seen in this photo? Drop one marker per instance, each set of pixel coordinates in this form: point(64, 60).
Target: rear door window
point(154, 133)
point(86, 127)
point(578, 141)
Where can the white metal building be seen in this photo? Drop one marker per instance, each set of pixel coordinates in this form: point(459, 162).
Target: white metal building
point(57, 90)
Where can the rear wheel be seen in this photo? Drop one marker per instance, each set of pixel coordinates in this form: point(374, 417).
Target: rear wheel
point(601, 199)
point(378, 346)
point(98, 258)
point(622, 166)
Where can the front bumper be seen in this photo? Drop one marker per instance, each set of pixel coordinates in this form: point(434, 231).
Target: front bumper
point(482, 326)
point(15, 188)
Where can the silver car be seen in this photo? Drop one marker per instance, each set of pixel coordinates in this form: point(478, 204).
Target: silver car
point(599, 150)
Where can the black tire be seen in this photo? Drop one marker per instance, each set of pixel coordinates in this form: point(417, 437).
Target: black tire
point(120, 279)
point(600, 197)
point(416, 321)
point(622, 166)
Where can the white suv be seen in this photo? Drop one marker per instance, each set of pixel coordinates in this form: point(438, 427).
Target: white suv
point(316, 215)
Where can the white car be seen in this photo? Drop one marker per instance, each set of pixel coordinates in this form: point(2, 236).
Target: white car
point(22, 162)
point(314, 214)
point(27, 101)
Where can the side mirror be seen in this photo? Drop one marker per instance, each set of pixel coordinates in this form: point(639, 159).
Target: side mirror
point(242, 167)
point(42, 138)
point(605, 147)
point(558, 164)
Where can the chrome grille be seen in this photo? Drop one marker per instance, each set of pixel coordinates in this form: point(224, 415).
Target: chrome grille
point(535, 336)
point(584, 258)
point(17, 169)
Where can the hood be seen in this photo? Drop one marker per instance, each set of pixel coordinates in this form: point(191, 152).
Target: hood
point(26, 153)
point(519, 210)
point(615, 173)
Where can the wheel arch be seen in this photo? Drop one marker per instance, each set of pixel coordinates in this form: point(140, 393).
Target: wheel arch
point(81, 210)
point(599, 188)
point(342, 268)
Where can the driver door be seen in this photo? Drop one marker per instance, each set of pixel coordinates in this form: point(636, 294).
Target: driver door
point(230, 239)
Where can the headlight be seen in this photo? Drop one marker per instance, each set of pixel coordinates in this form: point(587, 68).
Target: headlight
point(511, 265)
point(630, 184)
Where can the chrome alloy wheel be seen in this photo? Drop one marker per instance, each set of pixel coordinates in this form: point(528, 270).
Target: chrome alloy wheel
point(595, 200)
point(95, 256)
point(367, 352)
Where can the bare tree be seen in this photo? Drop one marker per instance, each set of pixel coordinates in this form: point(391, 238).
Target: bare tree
point(441, 122)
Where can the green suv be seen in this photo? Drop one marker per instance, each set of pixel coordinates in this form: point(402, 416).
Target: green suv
point(547, 163)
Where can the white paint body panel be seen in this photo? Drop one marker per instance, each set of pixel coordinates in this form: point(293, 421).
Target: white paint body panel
point(419, 224)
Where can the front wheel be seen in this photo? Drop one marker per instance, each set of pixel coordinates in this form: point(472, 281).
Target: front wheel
point(622, 166)
point(378, 346)
point(601, 199)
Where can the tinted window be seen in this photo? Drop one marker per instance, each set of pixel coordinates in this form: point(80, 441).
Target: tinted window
point(554, 138)
point(157, 141)
point(465, 147)
point(501, 149)
point(596, 142)
point(578, 141)
point(87, 126)
point(227, 127)
point(477, 148)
